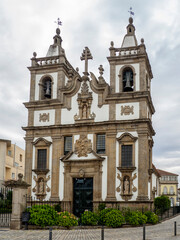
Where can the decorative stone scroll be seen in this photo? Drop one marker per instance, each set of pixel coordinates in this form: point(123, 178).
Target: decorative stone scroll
point(83, 146)
point(41, 187)
point(126, 110)
point(44, 117)
point(126, 186)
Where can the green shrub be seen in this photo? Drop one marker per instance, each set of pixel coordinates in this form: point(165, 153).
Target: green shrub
point(114, 218)
point(57, 207)
point(89, 218)
point(43, 215)
point(151, 217)
point(162, 204)
point(101, 206)
point(102, 214)
point(66, 219)
point(135, 218)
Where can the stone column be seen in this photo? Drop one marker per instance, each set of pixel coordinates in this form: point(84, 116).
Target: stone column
point(111, 166)
point(18, 200)
point(143, 166)
point(28, 165)
point(55, 168)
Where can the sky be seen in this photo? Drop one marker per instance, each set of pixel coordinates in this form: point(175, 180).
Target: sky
point(28, 26)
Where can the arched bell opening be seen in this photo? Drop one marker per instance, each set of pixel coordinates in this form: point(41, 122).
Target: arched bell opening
point(128, 83)
point(47, 88)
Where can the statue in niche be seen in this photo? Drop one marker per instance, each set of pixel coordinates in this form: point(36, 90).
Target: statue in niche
point(84, 112)
point(126, 186)
point(41, 186)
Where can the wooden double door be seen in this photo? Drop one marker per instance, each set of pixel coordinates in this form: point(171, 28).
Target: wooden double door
point(82, 195)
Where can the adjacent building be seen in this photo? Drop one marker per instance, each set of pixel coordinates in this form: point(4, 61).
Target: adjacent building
point(169, 186)
point(12, 160)
point(88, 141)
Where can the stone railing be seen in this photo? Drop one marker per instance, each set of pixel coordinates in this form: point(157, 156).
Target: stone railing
point(45, 61)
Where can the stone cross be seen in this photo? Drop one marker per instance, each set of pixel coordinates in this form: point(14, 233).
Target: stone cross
point(86, 55)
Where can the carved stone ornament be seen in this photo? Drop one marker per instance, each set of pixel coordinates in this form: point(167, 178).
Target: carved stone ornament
point(83, 146)
point(84, 103)
point(126, 110)
point(41, 187)
point(126, 186)
point(81, 173)
point(44, 117)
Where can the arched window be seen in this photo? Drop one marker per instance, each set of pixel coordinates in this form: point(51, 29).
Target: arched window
point(128, 84)
point(165, 190)
point(171, 190)
point(46, 88)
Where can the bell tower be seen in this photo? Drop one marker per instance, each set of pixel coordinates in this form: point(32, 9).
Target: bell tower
point(130, 89)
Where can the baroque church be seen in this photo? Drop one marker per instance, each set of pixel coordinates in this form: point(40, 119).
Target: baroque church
point(87, 141)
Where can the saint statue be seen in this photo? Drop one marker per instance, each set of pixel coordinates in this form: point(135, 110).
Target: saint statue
point(41, 186)
point(126, 186)
point(84, 112)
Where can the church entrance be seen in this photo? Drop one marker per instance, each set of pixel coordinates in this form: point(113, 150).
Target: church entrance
point(82, 195)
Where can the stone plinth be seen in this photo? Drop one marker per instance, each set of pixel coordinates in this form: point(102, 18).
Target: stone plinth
point(18, 201)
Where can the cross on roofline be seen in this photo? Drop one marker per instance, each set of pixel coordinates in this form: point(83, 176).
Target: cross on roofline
point(86, 55)
point(58, 22)
point(131, 12)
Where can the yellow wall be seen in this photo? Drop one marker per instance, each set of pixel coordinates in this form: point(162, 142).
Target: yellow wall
point(174, 196)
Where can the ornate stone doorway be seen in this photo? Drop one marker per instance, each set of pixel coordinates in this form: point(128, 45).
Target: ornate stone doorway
point(82, 195)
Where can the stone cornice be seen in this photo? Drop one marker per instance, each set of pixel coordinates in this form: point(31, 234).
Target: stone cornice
point(43, 103)
point(105, 123)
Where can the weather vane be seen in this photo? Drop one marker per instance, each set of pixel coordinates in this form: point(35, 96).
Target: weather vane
point(58, 22)
point(131, 12)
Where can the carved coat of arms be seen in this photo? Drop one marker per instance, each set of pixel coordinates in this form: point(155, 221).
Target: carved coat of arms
point(83, 146)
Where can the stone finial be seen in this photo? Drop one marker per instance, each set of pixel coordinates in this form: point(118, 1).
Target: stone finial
point(58, 31)
point(101, 70)
point(131, 20)
point(34, 54)
point(142, 40)
point(20, 177)
point(112, 44)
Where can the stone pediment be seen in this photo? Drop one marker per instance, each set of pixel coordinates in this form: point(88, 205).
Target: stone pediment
point(73, 157)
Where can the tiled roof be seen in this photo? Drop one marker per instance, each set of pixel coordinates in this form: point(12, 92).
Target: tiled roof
point(164, 173)
point(155, 170)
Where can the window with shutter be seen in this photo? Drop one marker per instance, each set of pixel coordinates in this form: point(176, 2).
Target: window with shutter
point(42, 159)
point(126, 155)
point(101, 143)
point(67, 144)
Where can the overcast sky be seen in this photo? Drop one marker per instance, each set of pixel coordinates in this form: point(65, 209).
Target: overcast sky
point(28, 26)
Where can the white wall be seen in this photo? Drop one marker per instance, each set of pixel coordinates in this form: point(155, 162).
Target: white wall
point(104, 178)
point(51, 121)
point(135, 114)
point(136, 67)
point(61, 180)
point(102, 114)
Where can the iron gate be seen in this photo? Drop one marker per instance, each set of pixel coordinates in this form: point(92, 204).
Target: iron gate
point(5, 206)
point(83, 195)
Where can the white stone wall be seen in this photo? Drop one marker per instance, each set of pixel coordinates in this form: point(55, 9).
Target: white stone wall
point(51, 117)
point(130, 116)
point(102, 114)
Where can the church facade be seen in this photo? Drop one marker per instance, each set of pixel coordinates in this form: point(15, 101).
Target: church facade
point(88, 141)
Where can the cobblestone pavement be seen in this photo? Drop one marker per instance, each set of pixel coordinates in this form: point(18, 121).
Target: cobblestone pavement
point(162, 231)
